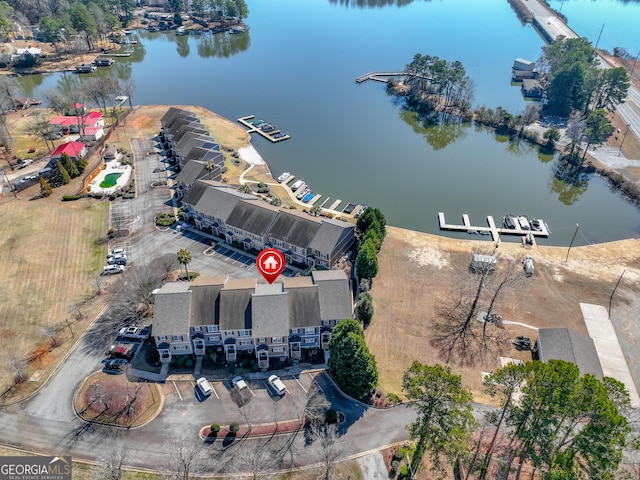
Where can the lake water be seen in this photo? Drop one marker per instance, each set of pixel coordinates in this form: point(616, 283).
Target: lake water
point(296, 68)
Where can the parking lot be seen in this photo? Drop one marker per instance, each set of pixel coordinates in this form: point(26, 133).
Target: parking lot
point(182, 398)
point(228, 255)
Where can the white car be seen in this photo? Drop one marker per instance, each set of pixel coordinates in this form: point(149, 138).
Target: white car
point(138, 333)
point(115, 252)
point(25, 163)
point(276, 384)
point(204, 386)
point(117, 260)
point(111, 269)
point(239, 383)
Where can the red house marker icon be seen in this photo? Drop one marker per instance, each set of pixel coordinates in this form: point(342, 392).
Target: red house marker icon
point(270, 263)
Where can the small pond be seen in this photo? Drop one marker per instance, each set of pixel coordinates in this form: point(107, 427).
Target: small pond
point(110, 180)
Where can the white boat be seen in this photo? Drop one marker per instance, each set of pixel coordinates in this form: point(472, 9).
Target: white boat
point(297, 185)
point(283, 177)
point(303, 192)
point(524, 223)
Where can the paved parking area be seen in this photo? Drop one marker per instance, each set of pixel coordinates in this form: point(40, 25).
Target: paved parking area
point(183, 400)
point(228, 255)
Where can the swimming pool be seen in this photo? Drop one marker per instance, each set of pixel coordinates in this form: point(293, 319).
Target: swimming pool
point(110, 180)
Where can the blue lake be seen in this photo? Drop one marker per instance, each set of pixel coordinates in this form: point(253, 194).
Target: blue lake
point(296, 68)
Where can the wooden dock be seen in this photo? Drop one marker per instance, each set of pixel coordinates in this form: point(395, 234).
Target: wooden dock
point(314, 199)
point(335, 204)
point(268, 135)
point(491, 229)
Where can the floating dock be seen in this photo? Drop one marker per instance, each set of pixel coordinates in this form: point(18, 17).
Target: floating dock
point(268, 135)
point(491, 229)
point(379, 76)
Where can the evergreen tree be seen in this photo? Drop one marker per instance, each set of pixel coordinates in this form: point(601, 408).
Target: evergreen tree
point(367, 260)
point(367, 217)
point(445, 416)
point(364, 308)
point(63, 175)
point(45, 188)
point(351, 365)
point(70, 166)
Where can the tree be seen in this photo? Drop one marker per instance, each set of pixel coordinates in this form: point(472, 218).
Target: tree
point(576, 129)
point(111, 465)
point(551, 135)
point(351, 364)
point(177, 19)
point(316, 406)
point(244, 188)
point(184, 258)
point(325, 438)
point(367, 217)
point(39, 127)
point(18, 366)
point(315, 210)
point(186, 457)
point(50, 331)
point(45, 187)
point(367, 260)
point(598, 129)
point(69, 165)
point(564, 424)
point(459, 337)
point(63, 175)
point(6, 23)
point(364, 308)
point(83, 21)
point(445, 416)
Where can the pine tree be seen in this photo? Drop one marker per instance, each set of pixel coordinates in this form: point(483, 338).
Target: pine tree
point(70, 166)
point(45, 188)
point(63, 175)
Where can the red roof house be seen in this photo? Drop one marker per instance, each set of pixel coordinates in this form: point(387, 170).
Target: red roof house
point(73, 149)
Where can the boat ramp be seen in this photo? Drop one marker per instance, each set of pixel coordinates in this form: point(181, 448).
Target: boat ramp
point(492, 229)
point(263, 128)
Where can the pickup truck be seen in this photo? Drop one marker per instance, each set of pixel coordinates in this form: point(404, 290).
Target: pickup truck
point(122, 350)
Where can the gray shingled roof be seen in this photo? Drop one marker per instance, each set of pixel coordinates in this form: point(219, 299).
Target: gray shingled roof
point(294, 229)
point(570, 346)
point(335, 295)
point(205, 154)
point(253, 216)
point(191, 171)
point(235, 304)
point(214, 199)
point(205, 300)
point(172, 309)
point(179, 130)
point(184, 146)
point(304, 305)
point(270, 311)
point(172, 113)
point(330, 234)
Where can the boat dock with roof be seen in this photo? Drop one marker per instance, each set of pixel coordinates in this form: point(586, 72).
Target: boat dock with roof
point(493, 230)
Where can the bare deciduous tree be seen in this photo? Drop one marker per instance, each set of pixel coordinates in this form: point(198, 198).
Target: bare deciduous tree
point(111, 465)
point(50, 331)
point(260, 459)
point(316, 407)
point(459, 336)
point(186, 455)
point(324, 438)
point(17, 365)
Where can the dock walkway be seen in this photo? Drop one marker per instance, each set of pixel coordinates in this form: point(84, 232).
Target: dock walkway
point(379, 76)
point(268, 135)
point(491, 229)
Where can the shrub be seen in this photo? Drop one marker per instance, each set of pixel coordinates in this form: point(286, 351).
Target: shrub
point(331, 416)
point(165, 219)
point(393, 399)
point(215, 428)
point(69, 198)
point(234, 427)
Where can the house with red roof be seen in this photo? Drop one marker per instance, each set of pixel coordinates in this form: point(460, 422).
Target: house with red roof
point(73, 149)
point(77, 109)
point(91, 134)
point(73, 124)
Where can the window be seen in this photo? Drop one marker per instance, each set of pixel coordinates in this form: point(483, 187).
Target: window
point(279, 243)
point(300, 250)
point(294, 330)
point(214, 338)
point(162, 339)
point(180, 347)
point(212, 328)
point(238, 231)
point(244, 333)
point(177, 338)
point(197, 329)
point(277, 340)
point(309, 331)
point(244, 343)
point(278, 349)
point(311, 341)
point(323, 255)
point(262, 340)
point(229, 333)
point(326, 322)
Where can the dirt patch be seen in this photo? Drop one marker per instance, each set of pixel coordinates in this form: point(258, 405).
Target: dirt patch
point(114, 400)
point(419, 270)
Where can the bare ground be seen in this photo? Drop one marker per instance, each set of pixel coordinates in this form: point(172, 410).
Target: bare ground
point(419, 270)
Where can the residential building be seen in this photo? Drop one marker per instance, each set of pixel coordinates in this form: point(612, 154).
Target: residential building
point(244, 220)
point(75, 123)
point(570, 346)
point(73, 149)
point(247, 316)
point(91, 134)
point(196, 170)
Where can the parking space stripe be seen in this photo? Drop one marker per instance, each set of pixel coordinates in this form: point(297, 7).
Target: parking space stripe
point(313, 377)
point(177, 391)
point(214, 391)
point(304, 389)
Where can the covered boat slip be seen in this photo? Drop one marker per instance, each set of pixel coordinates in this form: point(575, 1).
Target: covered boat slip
point(492, 229)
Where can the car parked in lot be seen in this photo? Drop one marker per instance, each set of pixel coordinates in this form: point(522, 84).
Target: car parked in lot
point(204, 386)
point(117, 260)
point(239, 383)
point(25, 163)
point(137, 333)
point(115, 252)
point(276, 385)
point(111, 269)
point(114, 365)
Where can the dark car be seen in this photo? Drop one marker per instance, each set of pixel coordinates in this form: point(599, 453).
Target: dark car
point(114, 365)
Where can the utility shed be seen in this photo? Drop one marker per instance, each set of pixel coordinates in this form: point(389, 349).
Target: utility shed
point(570, 346)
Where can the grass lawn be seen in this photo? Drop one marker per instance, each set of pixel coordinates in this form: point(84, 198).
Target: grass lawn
point(52, 252)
